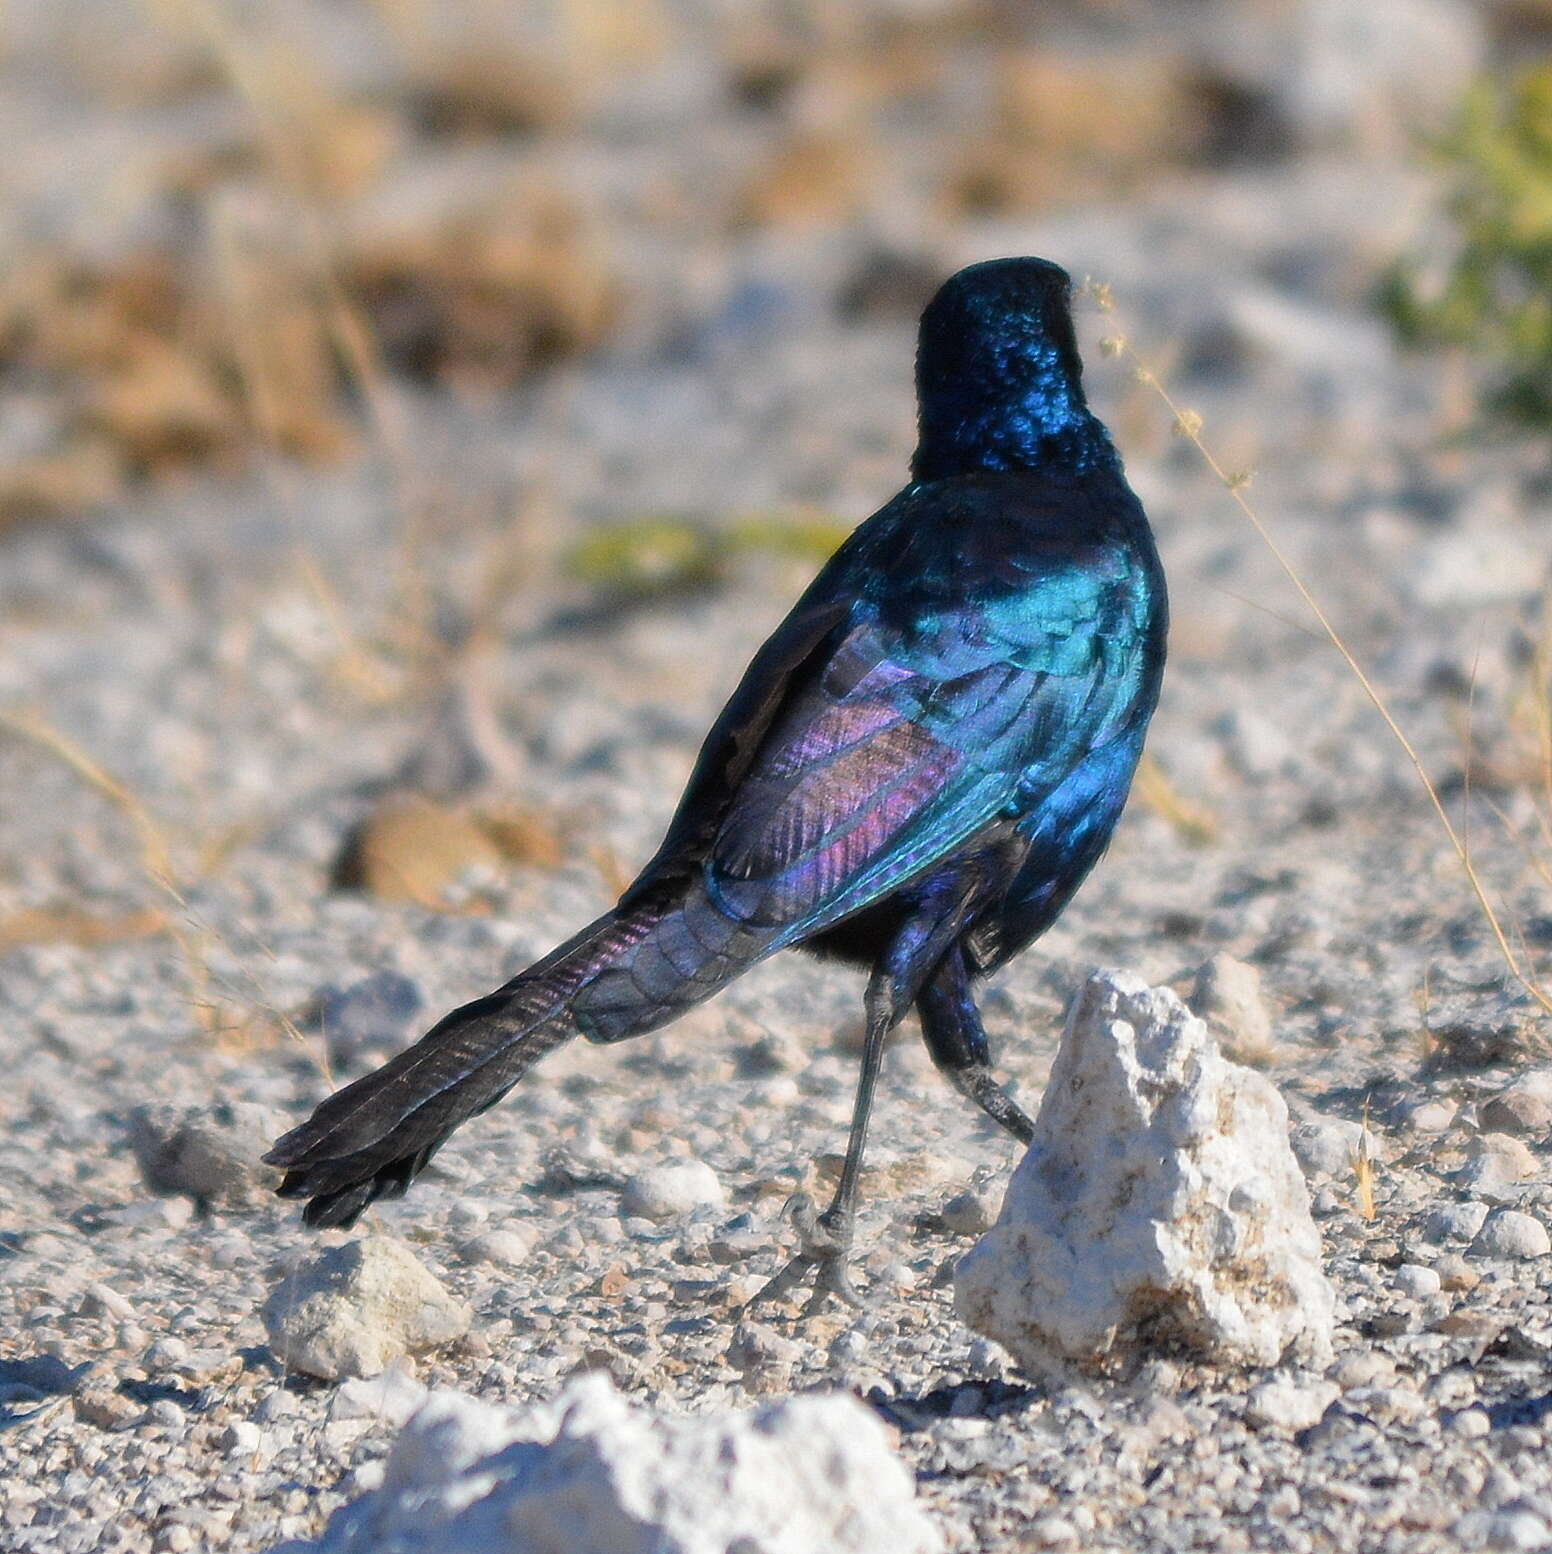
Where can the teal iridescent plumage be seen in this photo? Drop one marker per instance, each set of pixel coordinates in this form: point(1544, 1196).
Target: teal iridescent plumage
point(916, 772)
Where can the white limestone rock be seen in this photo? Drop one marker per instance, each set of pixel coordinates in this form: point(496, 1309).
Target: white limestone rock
point(592, 1473)
point(357, 1308)
point(1159, 1206)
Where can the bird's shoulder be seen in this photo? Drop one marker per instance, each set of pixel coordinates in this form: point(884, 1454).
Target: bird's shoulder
point(1017, 562)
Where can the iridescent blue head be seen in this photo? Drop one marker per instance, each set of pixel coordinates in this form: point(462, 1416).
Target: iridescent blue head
point(998, 379)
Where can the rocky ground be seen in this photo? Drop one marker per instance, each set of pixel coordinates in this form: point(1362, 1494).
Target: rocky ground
point(211, 685)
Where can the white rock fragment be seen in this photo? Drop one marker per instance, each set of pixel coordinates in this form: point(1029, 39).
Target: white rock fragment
point(1455, 1222)
point(359, 1307)
point(1159, 1206)
point(505, 1247)
point(390, 1398)
point(1286, 1404)
point(1327, 1146)
point(1228, 997)
point(1522, 1108)
point(592, 1473)
point(971, 1212)
point(241, 1438)
point(209, 1153)
point(1507, 1233)
point(1417, 1282)
point(670, 1191)
point(1497, 1160)
point(1433, 1116)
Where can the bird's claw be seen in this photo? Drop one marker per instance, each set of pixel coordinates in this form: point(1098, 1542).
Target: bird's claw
point(824, 1245)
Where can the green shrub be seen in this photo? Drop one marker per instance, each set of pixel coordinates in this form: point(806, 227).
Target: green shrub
point(1495, 300)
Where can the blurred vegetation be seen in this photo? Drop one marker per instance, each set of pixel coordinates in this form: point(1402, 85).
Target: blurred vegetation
point(261, 217)
point(1494, 300)
point(655, 556)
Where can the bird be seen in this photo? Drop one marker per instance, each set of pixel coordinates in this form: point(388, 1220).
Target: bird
point(915, 773)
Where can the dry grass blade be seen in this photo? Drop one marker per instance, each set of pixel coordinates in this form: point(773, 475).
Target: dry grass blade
point(1192, 822)
point(1363, 1172)
point(1187, 424)
point(293, 112)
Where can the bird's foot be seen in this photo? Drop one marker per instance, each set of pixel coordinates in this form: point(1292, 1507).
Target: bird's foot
point(824, 1245)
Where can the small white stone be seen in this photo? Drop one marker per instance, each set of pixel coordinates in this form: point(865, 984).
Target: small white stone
point(1508, 1233)
point(1497, 1160)
point(970, 1213)
point(1518, 1529)
point(1455, 1222)
point(1285, 1404)
point(357, 1308)
point(1228, 996)
point(241, 1438)
point(1472, 1423)
point(504, 1248)
point(1525, 1107)
point(1416, 1282)
point(1429, 1116)
point(1326, 1146)
point(391, 1398)
point(1052, 1532)
point(166, 1354)
point(671, 1190)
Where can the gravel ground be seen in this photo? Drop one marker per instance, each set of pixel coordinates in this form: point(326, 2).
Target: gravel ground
point(257, 717)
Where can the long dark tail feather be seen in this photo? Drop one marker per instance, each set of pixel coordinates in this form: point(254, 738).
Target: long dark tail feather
point(624, 975)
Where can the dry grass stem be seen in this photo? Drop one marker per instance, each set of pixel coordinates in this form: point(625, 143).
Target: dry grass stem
point(1188, 424)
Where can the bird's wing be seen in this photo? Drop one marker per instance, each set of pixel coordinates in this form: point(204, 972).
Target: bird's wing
point(794, 650)
point(901, 738)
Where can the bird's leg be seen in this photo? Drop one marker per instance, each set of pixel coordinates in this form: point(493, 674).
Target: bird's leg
point(951, 1026)
point(894, 986)
point(826, 1238)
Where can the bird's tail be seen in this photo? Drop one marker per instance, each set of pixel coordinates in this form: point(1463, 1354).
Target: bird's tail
point(633, 970)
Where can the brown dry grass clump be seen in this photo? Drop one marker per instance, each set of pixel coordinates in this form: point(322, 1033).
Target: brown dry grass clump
point(492, 290)
point(1066, 127)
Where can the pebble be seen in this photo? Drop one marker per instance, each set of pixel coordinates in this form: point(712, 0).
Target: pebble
point(376, 1015)
point(1507, 1233)
point(1471, 1423)
point(1497, 1160)
point(757, 1347)
point(209, 1153)
point(101, 1300)
point(1326, 1146)
point(1052, 1532)
point(1455, 1222)
point(1417, 1282)
point(506, 1247)
point(670, 1191)
point(1428, 1117)
point(356, 1308)
point(241, 1438)
point(1228, 996)
point(106, 1406)
point(972, 1212)
point(167, 1354)
point(1288, 1405)
point(276, 1406)
point(1455, 1273)
point(1522, 1109)
point(390, 1398)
